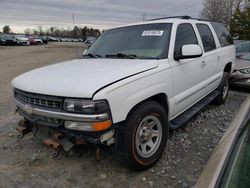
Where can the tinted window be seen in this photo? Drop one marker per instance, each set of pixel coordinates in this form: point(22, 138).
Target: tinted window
point(243, 47)
point(222, 34)
point(206, 37)
point(147, 41)
point(185, 35)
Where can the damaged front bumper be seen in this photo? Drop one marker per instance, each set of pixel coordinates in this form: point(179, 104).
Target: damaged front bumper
point(45, 124)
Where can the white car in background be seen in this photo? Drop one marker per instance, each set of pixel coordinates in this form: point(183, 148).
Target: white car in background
point(22, 40)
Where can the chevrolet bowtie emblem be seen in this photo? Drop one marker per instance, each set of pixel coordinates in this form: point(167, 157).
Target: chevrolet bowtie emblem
point(28, 108)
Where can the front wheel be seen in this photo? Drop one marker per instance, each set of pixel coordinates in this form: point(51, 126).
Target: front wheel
point(144, 136)
point(223, 89)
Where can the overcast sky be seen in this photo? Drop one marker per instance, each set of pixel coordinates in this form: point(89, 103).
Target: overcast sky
point(101, 14)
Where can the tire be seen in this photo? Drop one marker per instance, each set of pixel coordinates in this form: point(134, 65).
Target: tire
point(143, 138)
point(223, 89)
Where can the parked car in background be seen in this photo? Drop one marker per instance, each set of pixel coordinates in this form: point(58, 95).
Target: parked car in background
point(90, 41)
point(241, 75)
point(6, 39)
point(44, 39)
point(22, 40)
point(66, 39)
point(53, 39)
point(242, 48)
point(229, 165)
point(34, 40)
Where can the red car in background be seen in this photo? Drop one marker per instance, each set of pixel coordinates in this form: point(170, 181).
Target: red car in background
point(35, 41)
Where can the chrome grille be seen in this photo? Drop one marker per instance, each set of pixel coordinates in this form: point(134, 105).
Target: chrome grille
point(38, 100)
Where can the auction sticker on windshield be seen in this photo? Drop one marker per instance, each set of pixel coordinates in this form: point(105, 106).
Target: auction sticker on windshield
point(153, 33)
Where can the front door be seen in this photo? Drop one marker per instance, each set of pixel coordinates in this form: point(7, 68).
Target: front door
point(188, 74)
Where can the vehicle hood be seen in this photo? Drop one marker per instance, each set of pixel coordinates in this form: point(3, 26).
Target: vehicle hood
point(241, 64)
point(80, 77)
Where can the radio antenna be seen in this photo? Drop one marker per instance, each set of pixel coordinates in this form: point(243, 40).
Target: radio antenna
point(73, 19)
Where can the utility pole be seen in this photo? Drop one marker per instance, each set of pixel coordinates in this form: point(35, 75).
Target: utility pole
point(73, 19)
point(143, 17)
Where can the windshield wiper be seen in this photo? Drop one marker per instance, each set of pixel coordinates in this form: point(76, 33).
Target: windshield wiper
point(91, 55)
point(122, 55)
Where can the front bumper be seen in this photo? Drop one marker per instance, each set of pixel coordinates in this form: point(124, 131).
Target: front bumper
point(239, 79)
point(53, 121)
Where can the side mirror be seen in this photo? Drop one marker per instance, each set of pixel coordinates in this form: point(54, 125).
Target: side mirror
point(189, 51)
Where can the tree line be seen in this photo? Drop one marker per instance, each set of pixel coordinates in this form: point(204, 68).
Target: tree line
point(235, 14)
point(76, 32)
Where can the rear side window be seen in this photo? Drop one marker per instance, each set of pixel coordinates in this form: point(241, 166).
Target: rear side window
point(222, 34)
point(184, 35)
point(206, 37)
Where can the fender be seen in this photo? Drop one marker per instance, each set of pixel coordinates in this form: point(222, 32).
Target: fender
point(127, 93)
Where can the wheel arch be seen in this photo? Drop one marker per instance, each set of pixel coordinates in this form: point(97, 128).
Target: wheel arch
point(228, 67)
point(160, 98)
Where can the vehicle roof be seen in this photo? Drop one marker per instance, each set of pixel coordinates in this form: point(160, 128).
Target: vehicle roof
point(243, 41)
point(166, 20)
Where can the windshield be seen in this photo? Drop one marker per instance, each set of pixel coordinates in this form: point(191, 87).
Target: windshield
point(148, 41)
point(6, 37)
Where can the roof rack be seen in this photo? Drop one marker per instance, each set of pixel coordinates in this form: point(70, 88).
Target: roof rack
point(162, 18)
point(180, 17)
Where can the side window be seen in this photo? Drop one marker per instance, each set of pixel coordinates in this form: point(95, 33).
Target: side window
point(244, 47)
point(222, 34)
point(184, 35)
point(206, 37)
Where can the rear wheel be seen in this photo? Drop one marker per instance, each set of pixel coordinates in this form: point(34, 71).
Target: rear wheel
point(223, 89)
point(144, 136)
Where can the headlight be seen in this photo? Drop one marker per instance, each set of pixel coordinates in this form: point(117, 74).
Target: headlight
point(245, 71)
point(85, 106)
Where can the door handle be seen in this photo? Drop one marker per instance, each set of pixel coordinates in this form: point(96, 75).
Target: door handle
point(203, 64)
point(218, 58)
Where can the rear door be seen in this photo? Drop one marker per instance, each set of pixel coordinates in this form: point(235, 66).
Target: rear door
point(211, 57)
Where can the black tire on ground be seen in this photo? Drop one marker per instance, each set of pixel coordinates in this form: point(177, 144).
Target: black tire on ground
point(223, 89)
point(135, 133)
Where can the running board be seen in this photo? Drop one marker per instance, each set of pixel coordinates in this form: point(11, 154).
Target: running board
point(186, 116)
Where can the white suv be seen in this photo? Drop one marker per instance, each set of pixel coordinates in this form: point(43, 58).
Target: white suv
point(134, 84)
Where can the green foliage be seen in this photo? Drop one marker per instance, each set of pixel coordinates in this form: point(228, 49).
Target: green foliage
point(240, 24)
point(6, 29)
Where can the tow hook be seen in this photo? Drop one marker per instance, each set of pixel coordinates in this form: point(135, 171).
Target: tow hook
point(23, 128)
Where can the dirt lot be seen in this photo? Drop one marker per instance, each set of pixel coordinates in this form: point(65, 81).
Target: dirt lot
point(27, 163)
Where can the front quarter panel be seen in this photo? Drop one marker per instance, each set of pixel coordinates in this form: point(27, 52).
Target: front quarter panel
point(125, 94)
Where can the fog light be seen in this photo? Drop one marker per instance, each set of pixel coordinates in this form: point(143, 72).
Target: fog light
point(83, 126)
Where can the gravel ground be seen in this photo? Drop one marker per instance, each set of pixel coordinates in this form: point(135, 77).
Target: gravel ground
point(27, 163)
